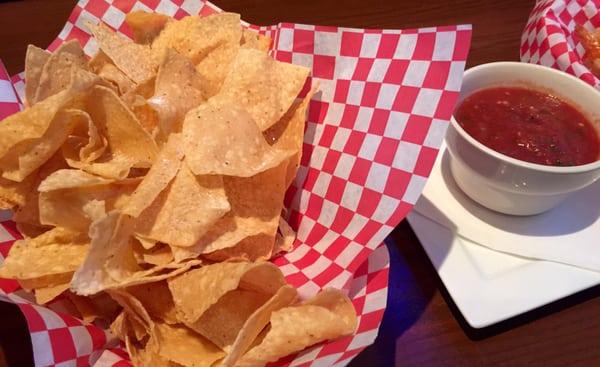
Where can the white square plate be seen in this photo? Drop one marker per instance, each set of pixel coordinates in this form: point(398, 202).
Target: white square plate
point(489, 286)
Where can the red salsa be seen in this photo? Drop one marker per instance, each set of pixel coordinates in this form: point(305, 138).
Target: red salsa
point(529, 125)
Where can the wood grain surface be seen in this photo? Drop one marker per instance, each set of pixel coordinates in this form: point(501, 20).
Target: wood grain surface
point(421, 326)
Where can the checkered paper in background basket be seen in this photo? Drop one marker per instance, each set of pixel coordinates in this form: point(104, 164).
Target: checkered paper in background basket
point(372, 136)
point(548, 38)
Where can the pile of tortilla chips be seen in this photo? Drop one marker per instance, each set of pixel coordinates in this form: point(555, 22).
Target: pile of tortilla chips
point(148, 183)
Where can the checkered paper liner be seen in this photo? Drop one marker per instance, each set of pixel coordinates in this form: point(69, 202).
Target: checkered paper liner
point(548, 38)
point(373, 133)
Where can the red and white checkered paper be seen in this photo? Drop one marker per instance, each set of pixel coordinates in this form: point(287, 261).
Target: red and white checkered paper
point(372, 136)
point(548, 38)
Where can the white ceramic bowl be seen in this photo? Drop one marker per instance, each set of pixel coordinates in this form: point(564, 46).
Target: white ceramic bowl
point(506, 184)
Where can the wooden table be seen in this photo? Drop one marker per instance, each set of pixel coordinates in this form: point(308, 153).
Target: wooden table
point(421, 326)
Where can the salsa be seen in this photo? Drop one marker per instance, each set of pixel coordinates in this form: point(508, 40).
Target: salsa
point(529, 125)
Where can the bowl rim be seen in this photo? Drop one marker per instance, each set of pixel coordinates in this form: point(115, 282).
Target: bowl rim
point(514, 161)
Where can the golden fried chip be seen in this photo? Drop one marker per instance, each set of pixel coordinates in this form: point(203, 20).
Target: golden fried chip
point(256, 204)
point(253, 248)
point(185, 211)
point(112, 74)
point(328, 315)
point(84, 142)
point(110, 263)
point(141, 322)
point(129, 145)
point(158, 254)
point(256, 322)
point(162, 172)
point(28, 156)
point(248, 231)
point(97, 62)
point(56, 73)
point(252, 39)
point(73, 199)
point(45, 281)
point(183, 346)
point(135, 60)
point(27, 214)
point(157, 300)
point(35, 59)
point(286, 237)
point(146, 354)
point(120, 326)
point(26, 129)
point(194, 37)
point(288, 133)
point(15, 193)
point(220, 138)
point(210, 42)
point(145, 26)
point(178, 89)
point(125, 136)
point(214, 281)
point(47, 294)
point(147, 116)
point(84, 306)
point(54, 252)
point(266, 88)
point(222, 322)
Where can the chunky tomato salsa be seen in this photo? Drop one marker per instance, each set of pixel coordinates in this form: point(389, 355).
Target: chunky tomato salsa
point(529, 125)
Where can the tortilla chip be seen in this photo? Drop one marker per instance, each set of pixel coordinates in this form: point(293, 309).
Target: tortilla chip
point(157, 300)
point(266, 88)
point(35, 59)
point(253, 248)
point(29, 155)
point(196, 291)
point(85, 307)
point(181, 345)
point(112, 74)
point(159, 254)
point(45, 281)
point(178, 89)
point(134, 60)
point(56, 73)
point(328, 315)
point(54, 252)
point(125, 136)
point(252, 39)
point(256, 322)
point(222, 322)
point(84, 142)
point(136, 312)
point(73, 199)
point(110, 263)
point(27, 215)
point(145, 26)
point(288, 133)
point(145, 354)
point(221, 139)
point(47, 294)
point(146, 115)
point(185, 211)
point(162, 172)
point(97, 62)
point(285, 238)
point(14, 193)
point(129, 145)
point(195, 37)
point(120, 326)
point(27, 128)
